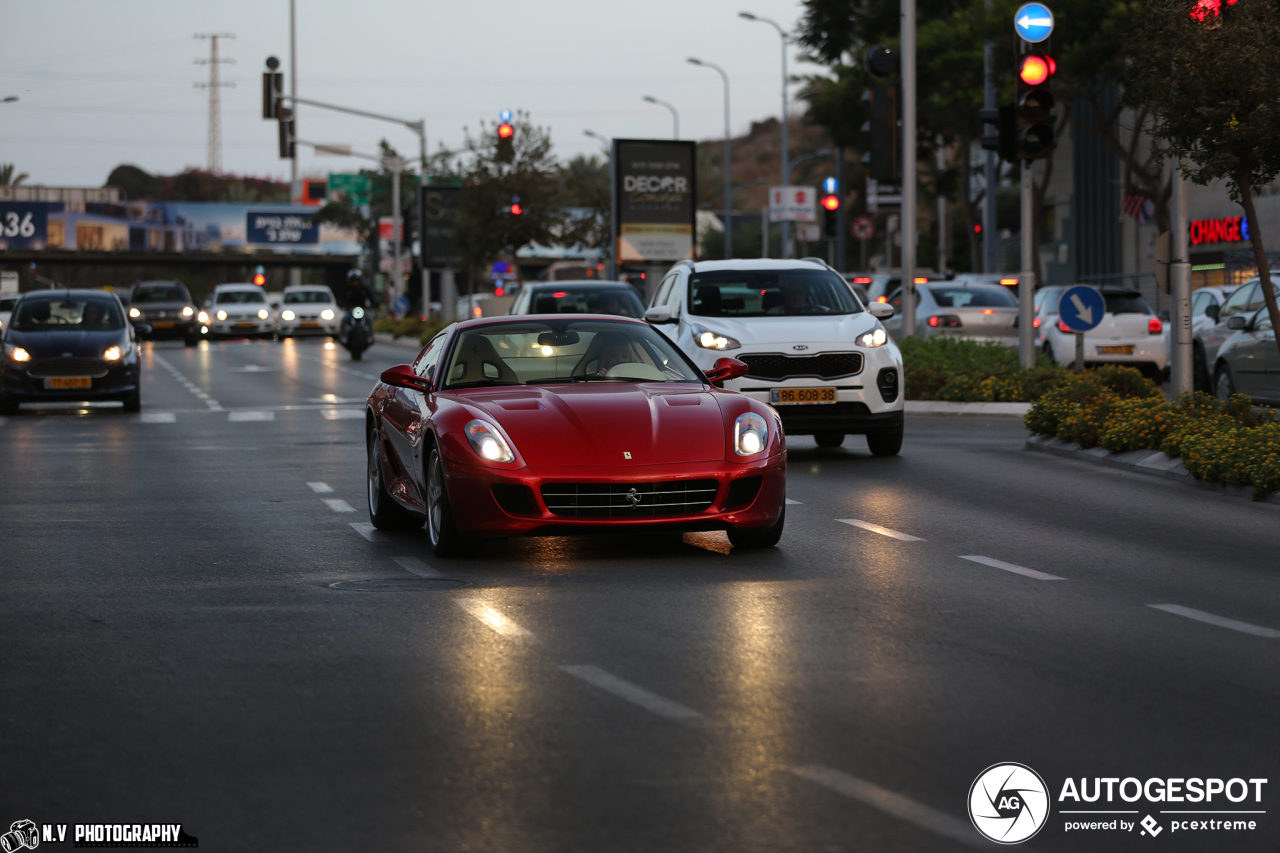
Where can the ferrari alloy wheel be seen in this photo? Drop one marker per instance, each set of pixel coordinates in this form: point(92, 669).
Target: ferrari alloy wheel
point(885, 442)
point(443, 533)
point(384, 512)
point(1223, 385)
point(758, 537)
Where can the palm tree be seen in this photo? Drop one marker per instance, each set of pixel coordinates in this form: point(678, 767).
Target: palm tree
point(7, 178)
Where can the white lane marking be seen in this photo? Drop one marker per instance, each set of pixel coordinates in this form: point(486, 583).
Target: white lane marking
point(889, 802)
point(157, 418)
point(495, 620)
point(342, 414)
point(188, 384)
point(240, 417)
point(1220, 621)
point(415, 566)
point(633, 693)
point(793, 502)
point(1010, 567)
point(321, 488)
point(338, 505)
point(883, 531)
point(368, 531)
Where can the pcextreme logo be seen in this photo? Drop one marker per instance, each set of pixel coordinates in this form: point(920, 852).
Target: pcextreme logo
point(1008, 803)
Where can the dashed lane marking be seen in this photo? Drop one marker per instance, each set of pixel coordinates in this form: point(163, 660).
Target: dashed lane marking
point(793, 502)
point(214, 405)
point(415, 566)
point(157, 418)
point(338, 505)
point(1010, 567)
point(368, 531)
point(883, 531)
point(633, 693)
point(253, 415)
point(892, 803)
point(1220, 621)
point(342, 414)
point(321, 488)
point(495, 621)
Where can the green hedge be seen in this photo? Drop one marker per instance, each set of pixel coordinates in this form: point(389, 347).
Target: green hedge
point(407, 327)
point(1118, 409)
point(972, 372)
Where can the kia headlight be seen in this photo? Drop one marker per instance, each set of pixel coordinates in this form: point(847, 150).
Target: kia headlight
point(221, 315)
point(112, 353)
point(134, 313)
point(708, 339)
point(287, 315)
point(19, 354)
point(488, 443)
point(750, 434)
point(264, 314)
point(187, 311)
point(877, 337)
point(326, 314)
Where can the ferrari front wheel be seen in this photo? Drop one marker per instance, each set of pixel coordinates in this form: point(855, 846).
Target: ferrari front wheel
point(445, 539)
point(384, 512)
point(758, 537)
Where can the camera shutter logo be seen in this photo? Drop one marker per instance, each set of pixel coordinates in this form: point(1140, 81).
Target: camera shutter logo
point(1008, 803)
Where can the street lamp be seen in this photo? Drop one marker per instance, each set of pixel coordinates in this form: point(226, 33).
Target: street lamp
point(825, 152)
point(9, 100)
point(786, 169)
point(603, 140)
point(675, 116)
point(728, 191)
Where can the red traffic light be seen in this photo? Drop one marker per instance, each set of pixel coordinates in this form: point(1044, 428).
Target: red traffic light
point(1037, 69)
point(506, 131)
point(831, 202)
point(516, 210)
point(260, 280)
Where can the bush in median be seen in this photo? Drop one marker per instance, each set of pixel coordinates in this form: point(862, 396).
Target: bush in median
point(963, 371)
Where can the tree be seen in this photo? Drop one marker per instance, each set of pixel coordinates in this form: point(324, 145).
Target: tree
point(1210, 75)
point(8, 179)
point(584, 191)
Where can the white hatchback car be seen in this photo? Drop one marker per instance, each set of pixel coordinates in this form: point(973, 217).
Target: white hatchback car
point(239, 310)
point(1130, 333)
point(813, 351)
point(308, 309)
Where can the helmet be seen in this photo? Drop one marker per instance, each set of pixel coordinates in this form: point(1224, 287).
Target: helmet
point(354, 274)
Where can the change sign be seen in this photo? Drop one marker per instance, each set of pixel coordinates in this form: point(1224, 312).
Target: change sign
point(654, 194)
point(286, 227)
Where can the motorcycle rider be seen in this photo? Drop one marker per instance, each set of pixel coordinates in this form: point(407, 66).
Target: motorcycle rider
point(356, 296)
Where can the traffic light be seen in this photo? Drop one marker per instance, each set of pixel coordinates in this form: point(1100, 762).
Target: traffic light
point(1005, 140)
point(516, 209)
point(260, 276)
point(1035, 104)
point(506, 142)
point(272, 88)
point(287, 133)
point(886, 135)
point(830, 209)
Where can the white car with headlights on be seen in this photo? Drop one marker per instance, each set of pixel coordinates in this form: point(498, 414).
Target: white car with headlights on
point(814, 352)
point(238, 310)
point(308, 309)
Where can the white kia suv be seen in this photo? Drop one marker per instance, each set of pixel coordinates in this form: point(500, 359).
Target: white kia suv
point(813, 351)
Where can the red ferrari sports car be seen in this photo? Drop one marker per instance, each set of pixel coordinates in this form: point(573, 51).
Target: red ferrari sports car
point(565, 424)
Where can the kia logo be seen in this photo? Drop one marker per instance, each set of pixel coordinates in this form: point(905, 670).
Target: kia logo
point(800, 347)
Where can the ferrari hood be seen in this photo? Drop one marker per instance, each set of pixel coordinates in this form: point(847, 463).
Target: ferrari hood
point(753, 331)
point(600, 423)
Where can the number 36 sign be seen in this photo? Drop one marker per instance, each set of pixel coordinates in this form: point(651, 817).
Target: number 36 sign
point(23, 224)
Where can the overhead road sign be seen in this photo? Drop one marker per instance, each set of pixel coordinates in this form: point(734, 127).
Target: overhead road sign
point(1033, 22)
point(1081, 308)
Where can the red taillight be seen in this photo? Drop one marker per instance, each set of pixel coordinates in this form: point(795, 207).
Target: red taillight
point(988, 310)
point(559, 294)
point(950, 321)
point(1035, 323)
point(1062, 327)
point(1009, 282)
point(921, 280)
point(862, 281)
point(1154, 326)
point(933, 321)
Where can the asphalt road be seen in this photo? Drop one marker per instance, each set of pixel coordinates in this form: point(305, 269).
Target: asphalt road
point(174, 649)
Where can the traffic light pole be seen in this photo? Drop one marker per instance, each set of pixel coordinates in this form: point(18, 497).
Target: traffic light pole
point(1026, 278)
point(910, 174)
point(1180, 361)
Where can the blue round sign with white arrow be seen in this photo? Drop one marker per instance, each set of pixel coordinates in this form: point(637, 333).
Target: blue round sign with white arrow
point(1081, 308)
point(1033, 22)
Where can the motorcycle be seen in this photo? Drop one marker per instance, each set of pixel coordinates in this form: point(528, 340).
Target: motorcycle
point(356, 332)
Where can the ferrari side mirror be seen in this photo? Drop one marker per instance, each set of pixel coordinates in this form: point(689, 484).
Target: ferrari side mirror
point(726, 369)
point(402, 376)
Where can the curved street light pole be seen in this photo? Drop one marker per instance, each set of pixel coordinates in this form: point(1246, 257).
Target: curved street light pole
point(611, 262)
point(786, 167)
point(675, 116)
point(824, 152)
point(728, 186)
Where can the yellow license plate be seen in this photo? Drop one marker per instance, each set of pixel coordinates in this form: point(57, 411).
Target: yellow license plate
point(69, 382)
point(163, 324)
point(308, 325)
point(802, 396)
point(1115, 350)
point(244, 325)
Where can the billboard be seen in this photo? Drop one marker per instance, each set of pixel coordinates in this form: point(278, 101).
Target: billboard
point(288, 227)
point(25, 224)
point(654, 198)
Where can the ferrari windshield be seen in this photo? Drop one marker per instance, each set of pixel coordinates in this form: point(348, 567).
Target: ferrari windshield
point(565, 351)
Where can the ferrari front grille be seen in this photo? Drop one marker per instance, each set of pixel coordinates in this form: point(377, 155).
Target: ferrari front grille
point(50, 367)
point(826, 365)
point(630, 500)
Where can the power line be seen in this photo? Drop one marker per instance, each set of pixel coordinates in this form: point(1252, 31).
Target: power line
point(215, 100)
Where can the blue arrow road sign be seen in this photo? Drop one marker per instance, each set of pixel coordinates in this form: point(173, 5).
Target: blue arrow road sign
point(1033, 22)
point(1081, 308)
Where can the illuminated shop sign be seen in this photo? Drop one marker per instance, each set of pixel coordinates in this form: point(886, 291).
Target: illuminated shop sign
point(1232, 229)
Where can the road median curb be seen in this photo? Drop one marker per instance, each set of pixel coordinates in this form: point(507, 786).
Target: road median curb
point(942, 407)
point(407, 343)
point(1151, 462)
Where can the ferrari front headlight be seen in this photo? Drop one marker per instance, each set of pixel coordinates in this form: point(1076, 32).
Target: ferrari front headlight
point(487, 442)
point(287, 315)
point(750, 434)
point(877, 337)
